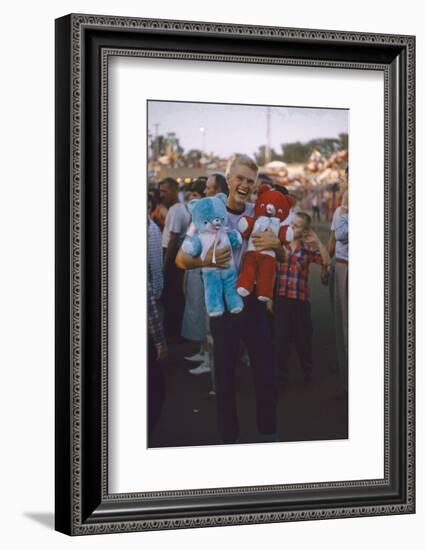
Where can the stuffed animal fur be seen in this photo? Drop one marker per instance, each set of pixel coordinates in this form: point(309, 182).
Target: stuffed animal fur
point(258, 268)
point(209, 217)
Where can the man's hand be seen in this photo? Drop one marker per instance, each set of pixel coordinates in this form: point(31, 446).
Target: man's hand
point(162, 352)
point(222, 257)
point(266, 240)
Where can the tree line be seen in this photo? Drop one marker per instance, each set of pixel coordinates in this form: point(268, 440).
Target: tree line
point(296, 152)
point(300, 152)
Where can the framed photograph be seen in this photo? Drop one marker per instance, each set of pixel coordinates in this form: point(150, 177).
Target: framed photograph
point(225, 354)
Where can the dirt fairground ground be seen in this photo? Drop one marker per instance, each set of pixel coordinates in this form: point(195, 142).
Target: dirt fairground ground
point(304, 413)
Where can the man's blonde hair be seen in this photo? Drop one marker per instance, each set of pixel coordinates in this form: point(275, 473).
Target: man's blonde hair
point(244, 160)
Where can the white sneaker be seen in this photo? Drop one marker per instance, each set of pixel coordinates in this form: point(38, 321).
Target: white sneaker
point(201, 369)
point(245, 360)
point(197, 357)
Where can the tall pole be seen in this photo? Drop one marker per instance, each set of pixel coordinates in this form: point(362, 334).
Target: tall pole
point(157, 148)
point(268, 135)
point(203, 142)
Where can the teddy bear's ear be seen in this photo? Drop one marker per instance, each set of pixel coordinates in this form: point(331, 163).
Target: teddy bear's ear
point(191, 204)
point(222, 197)
point(291, 201)
point(263, 188)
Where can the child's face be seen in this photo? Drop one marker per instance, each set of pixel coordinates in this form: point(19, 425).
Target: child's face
point(192, 195)
point(298, 226)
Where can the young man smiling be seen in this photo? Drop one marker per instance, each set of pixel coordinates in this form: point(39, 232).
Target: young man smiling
point(250, 326)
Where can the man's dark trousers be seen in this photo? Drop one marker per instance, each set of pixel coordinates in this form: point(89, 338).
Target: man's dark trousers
point(173, 301)
point(252, 328)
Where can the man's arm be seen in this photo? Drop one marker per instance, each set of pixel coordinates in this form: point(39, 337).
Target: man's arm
point(185, 261)
point(331, 244)
point(223, 259)
point(342, 228)
point(171, 250)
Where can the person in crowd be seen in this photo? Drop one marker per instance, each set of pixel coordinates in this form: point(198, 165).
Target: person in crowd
point(175, 226)
point(323, 205)
point(196, 190)
point(315, 207)
point(198, 187)
point(157, 352)
point(158, 210)
point(340, 229)
point(251, 325)
point(329, 205)
point(292, 308)
point(194, 324)
point(155, 256)
point(181, 191)
point(216, 183)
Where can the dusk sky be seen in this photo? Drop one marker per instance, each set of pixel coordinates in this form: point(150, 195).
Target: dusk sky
point(242, 128)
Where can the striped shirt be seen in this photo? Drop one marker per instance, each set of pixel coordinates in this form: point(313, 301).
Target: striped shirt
point(292, 275)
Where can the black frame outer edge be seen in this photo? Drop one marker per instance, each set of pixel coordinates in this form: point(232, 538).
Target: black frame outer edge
point(94, 510)
point(62, 275)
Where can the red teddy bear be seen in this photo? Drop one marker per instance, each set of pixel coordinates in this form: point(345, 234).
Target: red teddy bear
point(258, 268)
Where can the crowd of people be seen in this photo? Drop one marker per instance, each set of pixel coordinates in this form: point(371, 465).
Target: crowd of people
point(262, 333)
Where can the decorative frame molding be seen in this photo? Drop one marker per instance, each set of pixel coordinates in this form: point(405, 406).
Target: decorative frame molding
point(84, 43)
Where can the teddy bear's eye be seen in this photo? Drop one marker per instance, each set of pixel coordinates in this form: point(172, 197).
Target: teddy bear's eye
point(205, 223)
point(262, 205)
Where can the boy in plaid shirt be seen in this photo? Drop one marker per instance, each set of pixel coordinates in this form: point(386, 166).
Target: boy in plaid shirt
point(292, 309)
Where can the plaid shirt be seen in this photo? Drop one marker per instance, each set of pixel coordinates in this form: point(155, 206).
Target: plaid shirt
point(155, 327)
point(155, 259)
point(292, 275)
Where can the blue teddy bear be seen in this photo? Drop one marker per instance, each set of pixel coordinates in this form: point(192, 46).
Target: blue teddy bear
point(209, 218)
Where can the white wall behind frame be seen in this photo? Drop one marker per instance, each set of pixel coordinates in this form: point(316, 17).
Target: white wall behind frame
point(26, 404)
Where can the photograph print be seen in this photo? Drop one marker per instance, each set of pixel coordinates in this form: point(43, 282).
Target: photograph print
point(248, 262)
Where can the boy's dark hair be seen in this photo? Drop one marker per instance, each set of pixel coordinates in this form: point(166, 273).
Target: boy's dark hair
point(307, 220)
point(264, 178)
point(171, 182)
point(220, 184)
point(281, 188)
point(199, 186)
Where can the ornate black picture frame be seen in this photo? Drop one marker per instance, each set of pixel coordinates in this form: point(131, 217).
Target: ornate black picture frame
point(83, 45)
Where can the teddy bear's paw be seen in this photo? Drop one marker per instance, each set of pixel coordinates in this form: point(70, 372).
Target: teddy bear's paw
point(263, 298)
point(215, 313)
point(237, 310)
point(242, 291)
